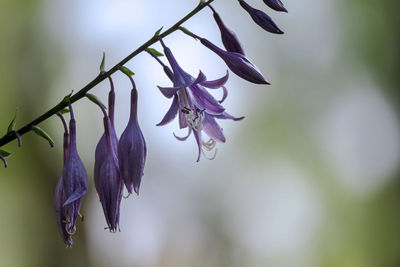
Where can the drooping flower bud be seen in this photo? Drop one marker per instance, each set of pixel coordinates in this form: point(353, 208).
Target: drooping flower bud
point(276, 5)
point(59, 195)
point(262, 19)
point(107, 178)
point(132, 149)
point(108, 181)
point(237, 63)
point(101, 148)
point(229, 38)
point(75, 180)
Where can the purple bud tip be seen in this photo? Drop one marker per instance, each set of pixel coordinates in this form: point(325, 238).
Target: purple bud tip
point(4, 161)
point(276, 5)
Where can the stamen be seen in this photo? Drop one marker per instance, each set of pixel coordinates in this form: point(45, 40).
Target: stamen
point(185, 137)
point(209, 145)
point(210, 158)
point(69, 231)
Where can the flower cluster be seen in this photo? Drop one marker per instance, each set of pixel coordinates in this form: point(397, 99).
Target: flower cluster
point(119, 162)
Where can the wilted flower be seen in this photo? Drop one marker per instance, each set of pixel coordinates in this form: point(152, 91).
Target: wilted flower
point(275, 5)
point(197, 108)
point(107, 178)
point(59, 195)
point(132, 149)
point(75, 180)
point(262, 19)
point(229, 38)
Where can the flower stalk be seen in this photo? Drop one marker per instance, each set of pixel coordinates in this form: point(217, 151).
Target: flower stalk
point(102, 76)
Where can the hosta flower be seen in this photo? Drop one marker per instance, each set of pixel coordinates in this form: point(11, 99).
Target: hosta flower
point(107, 178)
point(75, 180)
point(262, 19)
point(132, 149)
point(108, 181)
point(197, 108)
point(59, 195)
point(229, 38)
point(275, 5)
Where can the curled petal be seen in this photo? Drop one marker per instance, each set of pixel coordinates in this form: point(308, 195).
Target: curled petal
point(171, 113)
point(215, 84)
point(168, 91)
point(226, 115)
point(225, 94)
point(200, 78)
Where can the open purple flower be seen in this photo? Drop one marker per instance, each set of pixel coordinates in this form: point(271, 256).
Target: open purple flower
point(107, 178)
point(75, 180)
point(197, 108)
point(229, 38)
point(260, 18)
point(276, 5)
point(132, 149)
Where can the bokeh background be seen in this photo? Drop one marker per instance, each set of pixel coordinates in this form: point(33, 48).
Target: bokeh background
point(310, 177)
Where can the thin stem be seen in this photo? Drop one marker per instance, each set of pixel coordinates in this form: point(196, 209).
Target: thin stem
point(101, 107)
point(60, 115)
point(156, 57)
point(102, 76)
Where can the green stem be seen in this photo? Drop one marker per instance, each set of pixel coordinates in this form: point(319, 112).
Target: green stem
point(101, 77)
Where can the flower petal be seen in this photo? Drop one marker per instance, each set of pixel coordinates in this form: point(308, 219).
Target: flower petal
point(226, 115)
point(168, 92)
point(197, 136)
point(204, 100)
point(225, 94)
point(212, 129)
point(171, 113)
point(215, 84)
point(200, 78)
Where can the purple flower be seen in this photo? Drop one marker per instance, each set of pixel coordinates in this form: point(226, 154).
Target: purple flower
point(132, 149)
point(75, 180)
point(275, 5)
point(60, 210)
point(108, 181)
point(262, 19)
point(59, 196)
point(197, 108)
point(237, 63)
point(107, 178)
point(229, 38)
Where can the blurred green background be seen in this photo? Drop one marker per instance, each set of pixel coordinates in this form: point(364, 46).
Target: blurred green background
point(309, 178)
